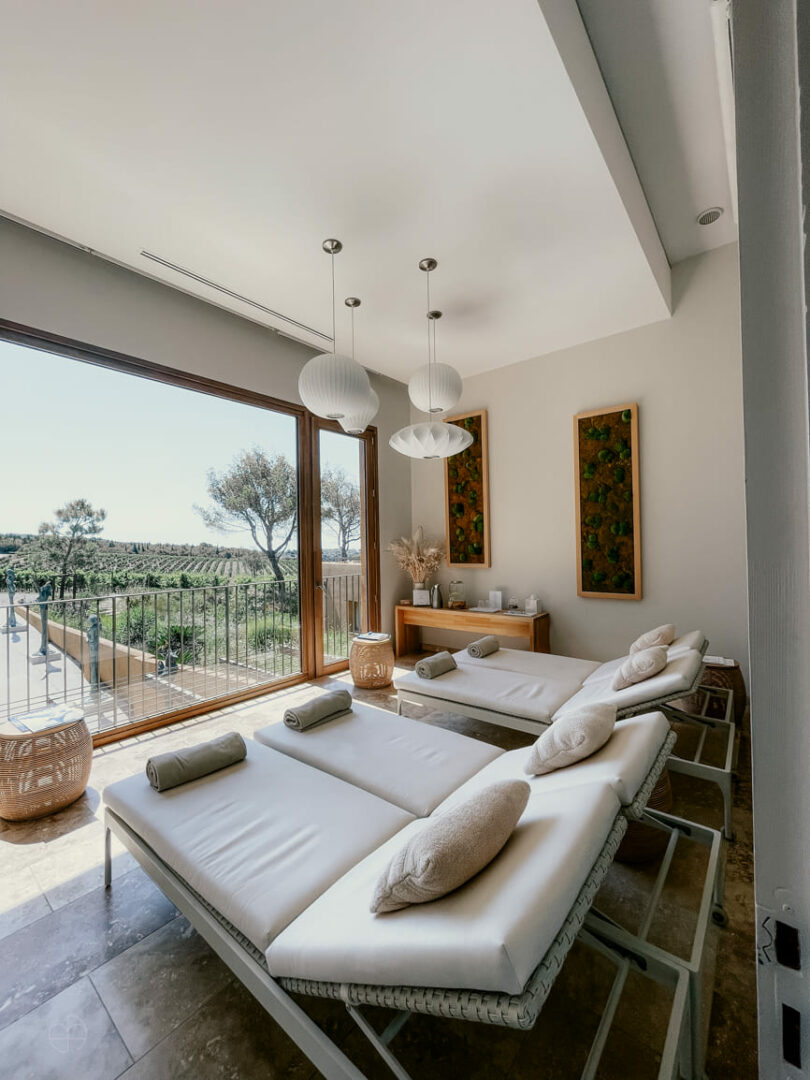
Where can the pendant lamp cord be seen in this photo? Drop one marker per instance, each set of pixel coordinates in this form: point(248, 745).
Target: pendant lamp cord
point(352, 311)
point(430, 368)
point(334, 342)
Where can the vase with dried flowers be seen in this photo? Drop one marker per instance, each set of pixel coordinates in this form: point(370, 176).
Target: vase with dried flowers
point(420, 558)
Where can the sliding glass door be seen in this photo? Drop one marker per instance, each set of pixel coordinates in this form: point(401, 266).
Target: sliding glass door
point(345, 528)
point(191, 544)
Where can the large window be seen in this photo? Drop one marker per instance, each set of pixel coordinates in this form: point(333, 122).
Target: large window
point(163, 549)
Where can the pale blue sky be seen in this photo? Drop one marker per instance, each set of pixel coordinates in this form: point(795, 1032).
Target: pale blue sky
point(139, 449)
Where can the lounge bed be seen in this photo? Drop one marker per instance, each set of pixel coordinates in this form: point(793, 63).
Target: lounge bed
point(273, 861)
point(528, 691)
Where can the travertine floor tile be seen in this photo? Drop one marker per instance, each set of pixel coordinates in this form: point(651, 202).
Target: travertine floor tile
point(152, 987)
point(69, 1036)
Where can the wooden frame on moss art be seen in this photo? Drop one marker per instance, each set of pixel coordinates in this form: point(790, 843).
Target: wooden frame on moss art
point(606, 458)
point(466, 495)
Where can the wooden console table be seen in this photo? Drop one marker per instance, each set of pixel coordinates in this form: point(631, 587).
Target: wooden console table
point(408, 619)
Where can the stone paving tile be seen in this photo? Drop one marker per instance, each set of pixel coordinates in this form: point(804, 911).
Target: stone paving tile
point(21, 900)
point(45, 957)
point(69, 1036)
point(231, 1037)
point(157, 984)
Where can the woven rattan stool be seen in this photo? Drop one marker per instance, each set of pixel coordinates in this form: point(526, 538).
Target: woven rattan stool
point(41, 772)
point(371, 663)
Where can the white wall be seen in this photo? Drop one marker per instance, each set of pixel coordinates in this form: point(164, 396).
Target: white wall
point(772, 75)
point(685, 374)
point(52, 286)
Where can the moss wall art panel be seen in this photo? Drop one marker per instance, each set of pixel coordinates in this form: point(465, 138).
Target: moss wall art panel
point(606, 455)
point(466, 495)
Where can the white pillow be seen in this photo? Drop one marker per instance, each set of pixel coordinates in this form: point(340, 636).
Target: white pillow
point(661, 635)
point(455, 846)
point(573, 737)
point(640, 666)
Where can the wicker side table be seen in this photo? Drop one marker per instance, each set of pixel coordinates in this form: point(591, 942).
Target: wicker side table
point(42, 772)
point(371, 663)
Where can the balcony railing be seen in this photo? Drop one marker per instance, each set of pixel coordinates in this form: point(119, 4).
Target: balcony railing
point(131, 657)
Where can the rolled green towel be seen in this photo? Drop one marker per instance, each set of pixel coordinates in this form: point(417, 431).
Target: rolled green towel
point(318, 710)
point(181, 766)
point(438, 664)
point(483, 646)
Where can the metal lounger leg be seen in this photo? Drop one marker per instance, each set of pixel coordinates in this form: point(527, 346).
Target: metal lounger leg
point(328, 1058)
point(380, 1042)
point(107, 857)
point(676, 1056)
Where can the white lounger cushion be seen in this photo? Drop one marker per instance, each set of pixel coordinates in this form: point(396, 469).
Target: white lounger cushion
point(565, 669)
point(694, 640)
point(488, 935)
point(406, 762)
point(499, 691)
point(261, 839)
point(677, 677)
point(623, 762)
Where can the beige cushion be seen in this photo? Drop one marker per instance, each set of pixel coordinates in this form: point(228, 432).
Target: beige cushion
point(661, 635)
point(452, 849)
point(489, 935)
point(571, 738)
point(640, 666)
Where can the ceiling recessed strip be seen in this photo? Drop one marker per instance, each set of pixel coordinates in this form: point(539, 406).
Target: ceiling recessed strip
point(234, 295)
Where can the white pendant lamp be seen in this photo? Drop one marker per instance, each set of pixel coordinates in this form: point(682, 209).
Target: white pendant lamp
point(332, 385)
point(436, 389)
point(355, 423)
point(432, 439)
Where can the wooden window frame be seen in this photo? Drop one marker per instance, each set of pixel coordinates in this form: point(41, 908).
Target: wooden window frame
point(308, 427)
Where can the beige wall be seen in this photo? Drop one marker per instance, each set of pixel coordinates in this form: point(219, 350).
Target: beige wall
point(52, 286)
point(685, 373)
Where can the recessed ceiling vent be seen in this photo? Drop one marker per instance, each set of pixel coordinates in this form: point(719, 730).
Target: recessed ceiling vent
point(234, 295)
point(708, 217)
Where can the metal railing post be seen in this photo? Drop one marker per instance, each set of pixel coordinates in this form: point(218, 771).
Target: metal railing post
point(92, 645)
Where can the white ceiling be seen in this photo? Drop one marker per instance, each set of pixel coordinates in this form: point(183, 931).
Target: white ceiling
point(231, 137)
point(657, 59)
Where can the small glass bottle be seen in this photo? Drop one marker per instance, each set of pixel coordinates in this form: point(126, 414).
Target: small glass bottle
point(457, 596)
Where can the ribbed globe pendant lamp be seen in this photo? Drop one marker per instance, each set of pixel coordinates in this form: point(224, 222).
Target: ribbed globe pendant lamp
point(332, 385)
point(355, 423)
point(432, 439)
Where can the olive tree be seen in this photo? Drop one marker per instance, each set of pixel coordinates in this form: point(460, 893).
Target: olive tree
point(259, 493)
point(341, 506)
point(65, 543)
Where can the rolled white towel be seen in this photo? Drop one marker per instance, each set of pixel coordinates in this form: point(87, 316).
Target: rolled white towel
point(438, 664)
point(177, 767)
point(318, 710)
point(483, 646)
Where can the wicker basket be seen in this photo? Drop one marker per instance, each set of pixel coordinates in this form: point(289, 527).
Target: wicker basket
point(43, 772)
point(372, 663)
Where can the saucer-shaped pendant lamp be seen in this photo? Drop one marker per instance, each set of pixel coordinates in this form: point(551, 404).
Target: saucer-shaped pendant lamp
point(432, 439)
point(355, 423)
point(332, 385)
